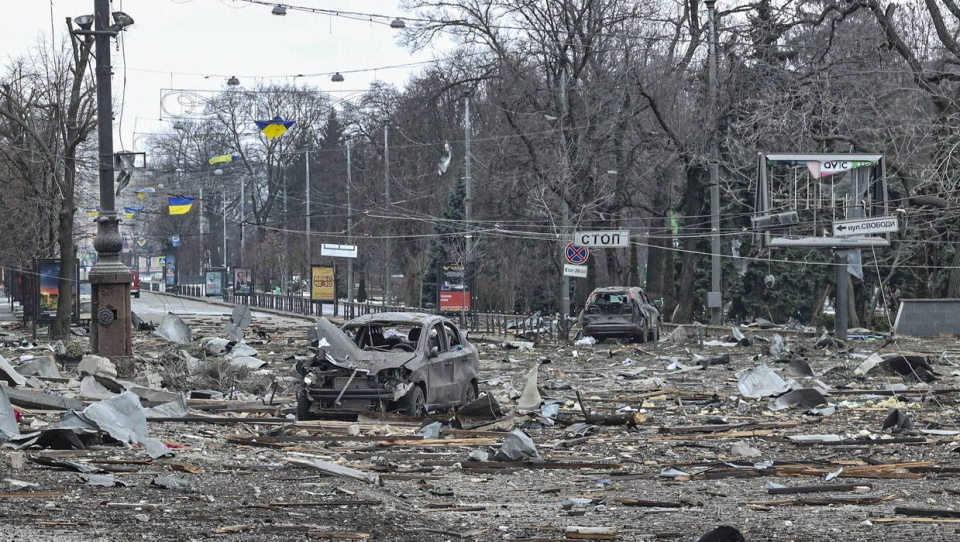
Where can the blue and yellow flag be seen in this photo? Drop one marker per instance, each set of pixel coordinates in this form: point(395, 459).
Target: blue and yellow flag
point(178, 205)
point(130, 212)
point(92, 212)
point(276, 127)
point(223, 159)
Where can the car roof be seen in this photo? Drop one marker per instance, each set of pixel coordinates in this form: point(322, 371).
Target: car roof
point(399, 317)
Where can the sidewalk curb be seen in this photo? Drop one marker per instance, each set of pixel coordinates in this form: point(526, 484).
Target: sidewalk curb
point(231, 305)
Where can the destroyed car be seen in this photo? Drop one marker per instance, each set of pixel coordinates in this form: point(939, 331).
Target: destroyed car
point(410, 363)
point(620, 312)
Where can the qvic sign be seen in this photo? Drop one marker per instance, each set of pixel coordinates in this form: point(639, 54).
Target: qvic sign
point(612, 238)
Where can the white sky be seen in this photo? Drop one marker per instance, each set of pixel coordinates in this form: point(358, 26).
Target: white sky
point(197, 45)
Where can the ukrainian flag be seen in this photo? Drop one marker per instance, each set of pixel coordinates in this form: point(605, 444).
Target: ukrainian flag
point(130, 212)
point(92, 212)
point(276, 127)
point(223, 159)
point(179, 206)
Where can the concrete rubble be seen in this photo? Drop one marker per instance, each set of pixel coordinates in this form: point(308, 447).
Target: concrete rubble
point(760, 433)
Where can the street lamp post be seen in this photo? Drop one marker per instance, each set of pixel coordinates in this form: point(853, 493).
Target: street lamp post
point(109, 278)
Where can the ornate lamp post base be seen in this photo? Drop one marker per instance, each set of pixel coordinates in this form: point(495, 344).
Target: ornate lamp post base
point(111, 329)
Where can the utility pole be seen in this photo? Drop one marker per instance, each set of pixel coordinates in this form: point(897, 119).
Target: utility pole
point(203, 241)
point(714, 298)
point(564, 206)
point(349, 222)
point(306, 188)
point(110, 332)
point(285, 280)
point(387, 287)
point(467, 201)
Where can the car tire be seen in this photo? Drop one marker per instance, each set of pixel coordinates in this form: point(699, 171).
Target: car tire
point(470, 393)
point(413, 403)
point(303, 406)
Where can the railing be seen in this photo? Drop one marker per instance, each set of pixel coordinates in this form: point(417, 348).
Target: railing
point(532, 327)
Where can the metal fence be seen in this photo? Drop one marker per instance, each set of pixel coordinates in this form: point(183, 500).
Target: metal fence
point(532, 327)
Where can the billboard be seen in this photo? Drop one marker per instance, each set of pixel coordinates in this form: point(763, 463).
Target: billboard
point(322, 284)
point(213, 281)
point(454, 292)
point(242, 281)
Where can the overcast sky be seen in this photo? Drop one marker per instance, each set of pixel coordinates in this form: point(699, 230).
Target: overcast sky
point(196, 45)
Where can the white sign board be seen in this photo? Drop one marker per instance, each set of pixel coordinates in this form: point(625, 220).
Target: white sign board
point(338, 251)
point(611, 238)
point(865, 226)
point(578, 271)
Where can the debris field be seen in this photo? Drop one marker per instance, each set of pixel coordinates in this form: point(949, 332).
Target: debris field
point(709, 434)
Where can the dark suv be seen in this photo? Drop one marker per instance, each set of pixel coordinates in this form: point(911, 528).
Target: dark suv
point(620, 312)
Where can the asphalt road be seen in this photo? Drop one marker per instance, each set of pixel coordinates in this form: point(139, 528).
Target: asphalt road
point(151, 306)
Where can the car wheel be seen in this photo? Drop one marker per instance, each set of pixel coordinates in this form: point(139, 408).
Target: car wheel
point(303, 405)
point(413, 403)
point(470, 393)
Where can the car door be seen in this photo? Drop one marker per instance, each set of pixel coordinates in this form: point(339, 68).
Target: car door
point(463, 369)
point(442, 366)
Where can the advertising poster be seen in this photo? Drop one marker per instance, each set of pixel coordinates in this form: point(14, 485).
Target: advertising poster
point(170, 270)
point(454, 295)
point(48, 272)
point(242, 281)
point(213, 279)
point(48, 290)
point(322, 285)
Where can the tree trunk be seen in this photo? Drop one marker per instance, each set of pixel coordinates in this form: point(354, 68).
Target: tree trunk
point(953, 283)
point(691, 259)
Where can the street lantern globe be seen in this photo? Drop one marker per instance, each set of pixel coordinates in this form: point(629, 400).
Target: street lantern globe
point(279, 10)
point(337, 78)
point(398, 23)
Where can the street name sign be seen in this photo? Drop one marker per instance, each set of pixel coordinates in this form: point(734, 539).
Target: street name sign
point(611, 238)
point(865, 226)
point(338, 251)
point(578, 271)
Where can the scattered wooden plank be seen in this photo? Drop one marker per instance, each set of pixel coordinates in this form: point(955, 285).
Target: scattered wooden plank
point(650, 504)
point(723, 435)
point(230, 529)
point(592, 533)
point(316, 504)
point(914, 520)
point(926, 512)
point(28, 495)
point(836, 488)
point(825, 501)
point(441, 443)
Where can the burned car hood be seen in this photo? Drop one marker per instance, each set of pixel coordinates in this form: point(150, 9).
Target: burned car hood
point(343, 352)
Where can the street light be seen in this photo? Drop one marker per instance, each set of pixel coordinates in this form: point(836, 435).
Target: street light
point(337, 78)
point(110, 333)
point(233, 81)
point(398, 23)
point(279, 10)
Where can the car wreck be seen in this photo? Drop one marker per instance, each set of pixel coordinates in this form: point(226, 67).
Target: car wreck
point(620, 312)
point(411, 363)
